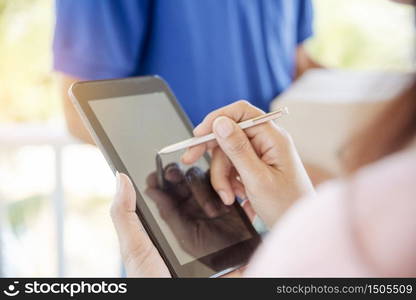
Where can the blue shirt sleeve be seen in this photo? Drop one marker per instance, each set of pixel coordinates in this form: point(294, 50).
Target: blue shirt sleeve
point(97, 39)
point(305, 21)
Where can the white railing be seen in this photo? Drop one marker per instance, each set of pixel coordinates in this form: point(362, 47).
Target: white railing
point(16, 136)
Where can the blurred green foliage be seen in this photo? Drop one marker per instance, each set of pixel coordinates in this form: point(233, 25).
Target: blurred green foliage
point(27, 87)
point(20, 213)
point(364, 34)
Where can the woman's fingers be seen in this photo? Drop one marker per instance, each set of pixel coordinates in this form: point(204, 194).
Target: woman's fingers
point(137, 250)
point(221, 170)
point(237, 111)
point(236, 145)
point(192, 154)
point(129, 229)
point(238, 187)
point(249, 210)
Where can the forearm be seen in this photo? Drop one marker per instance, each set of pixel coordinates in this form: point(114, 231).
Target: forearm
point(74, 124)
point(304, 62)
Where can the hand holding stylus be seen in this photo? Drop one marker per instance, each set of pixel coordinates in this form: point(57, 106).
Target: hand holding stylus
point(211, 136)
point(259, 163)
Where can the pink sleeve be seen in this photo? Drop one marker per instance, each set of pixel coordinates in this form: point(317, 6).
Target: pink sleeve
point(365, 226)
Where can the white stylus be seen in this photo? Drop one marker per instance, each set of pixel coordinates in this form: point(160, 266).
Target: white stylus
point(209, 137)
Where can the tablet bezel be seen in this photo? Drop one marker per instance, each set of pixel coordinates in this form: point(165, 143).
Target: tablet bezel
point(83, 92)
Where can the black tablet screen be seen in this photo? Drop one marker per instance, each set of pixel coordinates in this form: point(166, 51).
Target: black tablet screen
point(188, 212)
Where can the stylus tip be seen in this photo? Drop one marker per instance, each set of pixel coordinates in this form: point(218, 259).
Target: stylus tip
point(165, 150)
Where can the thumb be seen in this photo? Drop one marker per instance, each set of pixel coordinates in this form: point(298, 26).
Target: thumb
point(132, 237)
point(236, 145)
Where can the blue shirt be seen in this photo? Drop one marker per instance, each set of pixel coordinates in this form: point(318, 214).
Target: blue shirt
point(211, 52)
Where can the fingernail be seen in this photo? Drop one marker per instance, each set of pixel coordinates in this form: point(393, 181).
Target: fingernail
point(223, 127)
point(259, 225)
point(224, 196)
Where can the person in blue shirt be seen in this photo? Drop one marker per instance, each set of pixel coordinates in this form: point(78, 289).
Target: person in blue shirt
point(211, 52)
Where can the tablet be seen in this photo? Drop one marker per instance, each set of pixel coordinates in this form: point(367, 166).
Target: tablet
point(195, 233)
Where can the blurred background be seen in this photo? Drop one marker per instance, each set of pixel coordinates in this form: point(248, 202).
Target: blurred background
point(55, 193)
